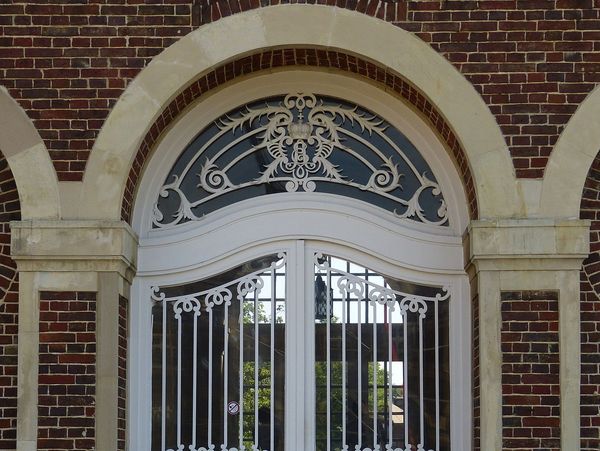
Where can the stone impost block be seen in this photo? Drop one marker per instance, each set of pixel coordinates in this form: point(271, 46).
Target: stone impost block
point(527, 244)
point(39, 245)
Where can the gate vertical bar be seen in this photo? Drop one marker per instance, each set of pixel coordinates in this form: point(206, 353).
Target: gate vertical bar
point(179, 380)
point(421, 407)
point(241, 375)
point(195, 375)
point(225, 370)
point(210, 378)
point(255, 441)
point(164, 377)
point(437, 378)
point(375, 386)
point(344, 416)
point(359, 367)
point(328, 289)
point(405, 374)
point(390, 379)
point(272, 357)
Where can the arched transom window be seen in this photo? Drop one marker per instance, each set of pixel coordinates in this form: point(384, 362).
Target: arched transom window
point(300, 142)
point(300, 279)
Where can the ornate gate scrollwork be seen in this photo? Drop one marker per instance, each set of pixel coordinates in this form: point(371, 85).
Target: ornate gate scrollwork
point(300, 142)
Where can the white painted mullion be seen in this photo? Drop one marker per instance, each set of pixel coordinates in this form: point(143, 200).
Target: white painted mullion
point(139, 355)
point(460, 363)
point(294, 362)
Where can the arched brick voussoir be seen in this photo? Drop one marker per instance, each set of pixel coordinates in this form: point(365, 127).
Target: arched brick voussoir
point(29, 161)
point(308, 26)
point(571, 160)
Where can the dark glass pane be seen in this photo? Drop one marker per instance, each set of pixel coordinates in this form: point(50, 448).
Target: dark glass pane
point(381, 361)
point(218, 347)
point(296, 143)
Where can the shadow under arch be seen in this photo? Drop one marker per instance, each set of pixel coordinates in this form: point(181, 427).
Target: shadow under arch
point(310, 26)
point(28, 160)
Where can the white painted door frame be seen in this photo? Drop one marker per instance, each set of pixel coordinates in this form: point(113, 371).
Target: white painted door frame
point(300, 390)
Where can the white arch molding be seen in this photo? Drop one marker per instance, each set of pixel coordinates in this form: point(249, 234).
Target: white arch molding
point(310, 26)
point(28, 160)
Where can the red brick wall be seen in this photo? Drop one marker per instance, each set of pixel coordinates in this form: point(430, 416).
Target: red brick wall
point(530, 371)
point(9, 307)
point(67, 371)
point(533, 61)
point(590, 316)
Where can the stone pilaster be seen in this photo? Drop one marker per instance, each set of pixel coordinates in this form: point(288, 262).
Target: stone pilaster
point(527, 256)
point(75, 276)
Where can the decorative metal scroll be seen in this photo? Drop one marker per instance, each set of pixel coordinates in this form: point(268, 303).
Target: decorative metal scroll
point(368, 329)
point(300, 142)
point(215, 387)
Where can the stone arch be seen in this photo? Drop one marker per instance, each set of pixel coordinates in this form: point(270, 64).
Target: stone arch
point(289, 26)
point(29, 161)
point(289, 60)
point(589, 305)
point(571, 160)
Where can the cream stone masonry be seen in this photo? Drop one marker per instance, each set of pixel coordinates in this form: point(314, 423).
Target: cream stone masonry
point(74, 246)
point(317, 26)
point(534, 254)
point(546, 239)
point(570, 161)
point(95, 256)
point(29, 161)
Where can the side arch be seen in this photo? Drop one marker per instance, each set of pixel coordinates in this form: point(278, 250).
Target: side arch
point(28, 160)
point(291, 26)
point(571, 160)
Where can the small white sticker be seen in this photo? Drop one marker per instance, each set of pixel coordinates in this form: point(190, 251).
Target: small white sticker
point(233, 408)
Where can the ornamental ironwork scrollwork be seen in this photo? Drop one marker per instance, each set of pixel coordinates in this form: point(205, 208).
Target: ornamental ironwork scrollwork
point(220, 295)
point(300, 142)
point(352, 285)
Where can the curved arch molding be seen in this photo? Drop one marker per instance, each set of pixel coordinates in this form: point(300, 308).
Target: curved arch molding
point(292, 26)
point(28, 160)
point(570, 161)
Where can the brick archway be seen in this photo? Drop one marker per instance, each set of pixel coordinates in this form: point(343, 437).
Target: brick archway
point(293, 58)
point(425, 75)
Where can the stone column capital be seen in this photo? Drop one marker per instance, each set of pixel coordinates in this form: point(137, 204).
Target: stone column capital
point(527, 244)
point(74, 246)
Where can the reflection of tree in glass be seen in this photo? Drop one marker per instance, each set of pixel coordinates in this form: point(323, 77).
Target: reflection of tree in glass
point(264, 372)
point(336, 397)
